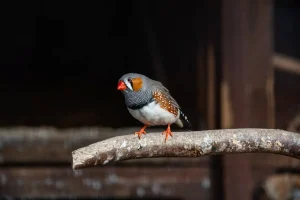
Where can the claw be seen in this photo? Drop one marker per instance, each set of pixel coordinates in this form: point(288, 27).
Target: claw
point(167, 132)
point(141, 132)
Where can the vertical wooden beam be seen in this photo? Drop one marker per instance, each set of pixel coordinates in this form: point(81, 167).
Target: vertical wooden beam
point(247, 82)
point(213, 92)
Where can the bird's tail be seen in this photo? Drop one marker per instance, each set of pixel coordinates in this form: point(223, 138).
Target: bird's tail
point(183, 122)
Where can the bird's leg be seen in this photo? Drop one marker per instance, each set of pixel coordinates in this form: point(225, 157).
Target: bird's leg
point(167, 132)
point(142, 131)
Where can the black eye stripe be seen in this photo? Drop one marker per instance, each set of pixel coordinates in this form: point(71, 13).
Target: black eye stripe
point(130, 81)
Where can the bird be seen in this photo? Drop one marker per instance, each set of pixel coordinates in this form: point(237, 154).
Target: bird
point(151, 103)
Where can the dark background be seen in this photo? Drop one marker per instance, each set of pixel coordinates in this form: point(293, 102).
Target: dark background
point(61, 60)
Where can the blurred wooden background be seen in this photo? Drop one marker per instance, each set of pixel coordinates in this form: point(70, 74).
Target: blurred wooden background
point(230, 64)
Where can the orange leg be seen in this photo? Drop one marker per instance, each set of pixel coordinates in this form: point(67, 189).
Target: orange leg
point(167, 132)
point(142, 131)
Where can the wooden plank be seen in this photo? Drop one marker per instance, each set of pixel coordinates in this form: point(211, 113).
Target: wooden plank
point(46, 144)
point(286, 63)
point(24, 145)
point(105, 182)
point(279, 184)
point(247, 85)
point(272, 161)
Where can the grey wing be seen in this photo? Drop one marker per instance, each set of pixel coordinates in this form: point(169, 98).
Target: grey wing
point(182, 121)
point(159, 86)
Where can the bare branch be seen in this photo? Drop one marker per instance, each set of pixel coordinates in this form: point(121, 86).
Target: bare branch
point(188, 144)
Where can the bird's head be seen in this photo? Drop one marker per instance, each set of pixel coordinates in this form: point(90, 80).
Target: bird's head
point(131, 82)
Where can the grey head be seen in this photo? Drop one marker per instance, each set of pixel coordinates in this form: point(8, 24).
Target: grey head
point(137, 89)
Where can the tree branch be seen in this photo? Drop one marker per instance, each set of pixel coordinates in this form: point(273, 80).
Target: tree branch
point(188, 144)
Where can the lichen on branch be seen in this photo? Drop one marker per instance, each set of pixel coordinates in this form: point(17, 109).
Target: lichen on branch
point(188, 144)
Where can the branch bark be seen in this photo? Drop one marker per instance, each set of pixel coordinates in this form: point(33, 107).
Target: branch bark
point(188, 144)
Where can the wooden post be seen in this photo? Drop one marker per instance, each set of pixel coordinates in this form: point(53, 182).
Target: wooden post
point(213, 92)
point(247, 82)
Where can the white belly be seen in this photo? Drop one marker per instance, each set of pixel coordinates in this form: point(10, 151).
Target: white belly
point(153, 115)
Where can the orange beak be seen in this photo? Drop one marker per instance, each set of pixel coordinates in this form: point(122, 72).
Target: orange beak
point(121, 86)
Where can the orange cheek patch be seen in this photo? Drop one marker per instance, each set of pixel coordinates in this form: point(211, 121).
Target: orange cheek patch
point(137, 84)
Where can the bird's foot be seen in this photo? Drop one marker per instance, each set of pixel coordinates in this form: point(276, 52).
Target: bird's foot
point(167, 132)
point(142, 131)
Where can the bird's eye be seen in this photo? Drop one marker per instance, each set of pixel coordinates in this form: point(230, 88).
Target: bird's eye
point(129, 80)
